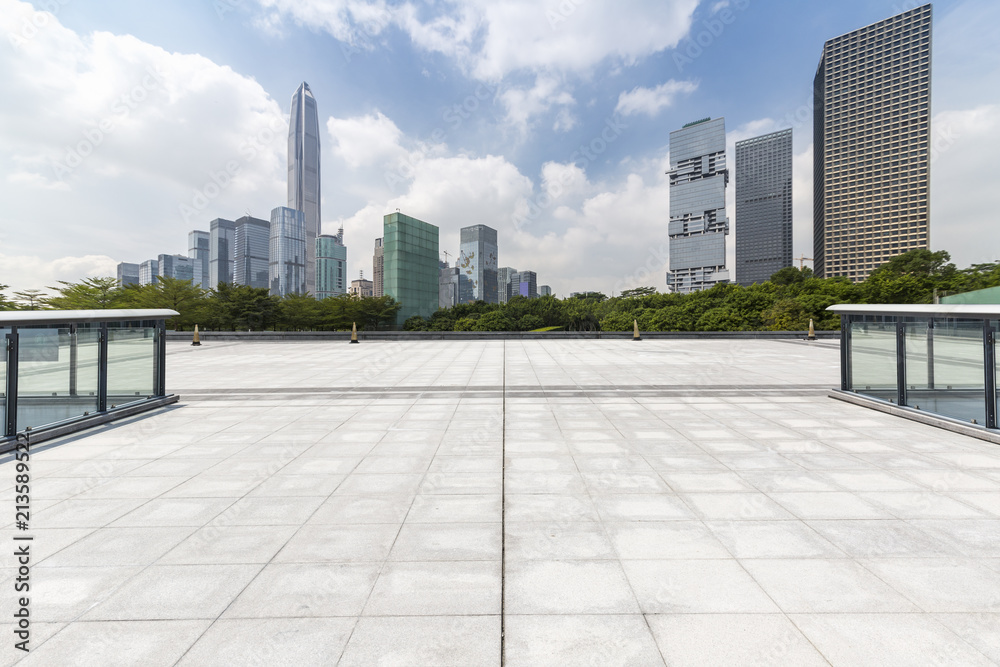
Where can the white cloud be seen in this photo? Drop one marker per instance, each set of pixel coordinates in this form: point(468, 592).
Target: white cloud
point(365, 140)
point(651, 101)
point(34, 272)
point(524, 104)
point(124, 147)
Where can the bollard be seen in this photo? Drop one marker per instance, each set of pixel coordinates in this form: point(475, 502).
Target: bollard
point(812, 330)
point(195, 340)
point(354, 332)
point(635, 330)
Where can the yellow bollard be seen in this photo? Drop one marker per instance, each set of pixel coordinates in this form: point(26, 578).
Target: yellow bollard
point(354, 332)
point(812, 330)
point(635, 330)
point(195, 340)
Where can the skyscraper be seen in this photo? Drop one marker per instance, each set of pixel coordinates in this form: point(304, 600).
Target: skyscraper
point(180, 267)
point(303, 171)
point(287, 265)
point(871, 145)
point(698, 224)
point(478, 261)
point(378, 269)
point(199, 248)
point(221, 251)
point(503, 283)
point(544, 290)
point(763, 206)
point(524, 283)
point(331, 265)
point(148, 272)
point(128, 274)
point(251, 243)
point(411, 265)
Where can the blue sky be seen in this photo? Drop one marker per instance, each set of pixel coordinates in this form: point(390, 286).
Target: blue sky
point(129, 124)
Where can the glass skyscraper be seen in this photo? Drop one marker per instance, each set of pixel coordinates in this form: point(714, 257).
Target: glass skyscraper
point(251, 242)
point(524, 283)
point(504, 275)
point(331, 265)
point(763, 206)
point(287, 252)
point(871, 145)
point(180, 267)
point(221, 251)
point(199, 248)
point(148, 272)
point(478, 261)
point(698, 224)
point(303, 171)
point(411, 265)
point(128, 274)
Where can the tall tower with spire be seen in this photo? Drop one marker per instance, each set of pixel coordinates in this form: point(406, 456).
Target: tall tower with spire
point(303, 171)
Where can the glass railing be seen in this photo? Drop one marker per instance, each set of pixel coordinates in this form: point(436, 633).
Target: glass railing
point(60, 367)
point(933, 358)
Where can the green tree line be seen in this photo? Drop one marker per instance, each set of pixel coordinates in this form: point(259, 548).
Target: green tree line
point(785, 302)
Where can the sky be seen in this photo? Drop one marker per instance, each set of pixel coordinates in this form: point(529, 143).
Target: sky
point(124, 125)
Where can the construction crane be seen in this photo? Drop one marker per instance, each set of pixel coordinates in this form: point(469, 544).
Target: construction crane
point(802, 260)
point(445, 253)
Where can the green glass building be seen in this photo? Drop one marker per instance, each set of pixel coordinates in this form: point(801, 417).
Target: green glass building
point(410, 250)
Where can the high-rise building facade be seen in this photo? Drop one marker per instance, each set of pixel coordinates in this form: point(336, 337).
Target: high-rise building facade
point(544, 290)
point(287, 256)
point(478, 261)
point(331, 265)
point(128, 274)
point(504, 275)
point(221, 251)
point(361, 288)
point(698, 224)
point(180, 267)
point(378, 269)
point(303, 171)
point(411, 265)
point(251, 246)
point(199, 249)
point(763, 206)
point(524, 283)
point(148, 272)
point(871, 146)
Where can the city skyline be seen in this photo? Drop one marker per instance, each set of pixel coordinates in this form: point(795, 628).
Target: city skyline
point(502, 134)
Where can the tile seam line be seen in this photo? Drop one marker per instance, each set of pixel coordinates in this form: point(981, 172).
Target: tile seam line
point(503, 504)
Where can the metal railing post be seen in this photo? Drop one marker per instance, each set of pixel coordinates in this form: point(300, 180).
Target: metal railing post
point(845, 353)
point(989, 356)
point(102, 368)
point(10, 428)
point(160, 367)
point(900, 362)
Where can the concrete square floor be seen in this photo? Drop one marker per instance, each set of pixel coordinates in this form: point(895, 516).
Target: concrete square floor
point(587, 502)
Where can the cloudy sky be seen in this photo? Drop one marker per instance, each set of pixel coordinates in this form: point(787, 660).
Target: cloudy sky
point(125, 125)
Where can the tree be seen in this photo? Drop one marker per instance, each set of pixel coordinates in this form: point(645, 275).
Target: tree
point(5, 303)
point(299, 312)
point(530, 323)
point(637, 292)
point(375, 311)
point(416, 323)
point(32, 299)
point(239, 307)
point(175, 294)
point(88, 294)
point(496, 320)
point(790, 275)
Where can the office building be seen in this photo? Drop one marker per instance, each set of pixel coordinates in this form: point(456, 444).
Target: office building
point(763, 206)
point(331, 265)
point(544, 290)
point(180, 267)
point(698, 224)
point(128, 274)
point(199, 249)
point(454, 286)
point(524, 283)
point(148, 272)
point(503, 283)
point(411, 265)
point(221, 251)
point(477, 259)
point(378, 269)
point(871, 146)
point(303, 171)
point(361, 288)
point(287, 256)
point(251, 246)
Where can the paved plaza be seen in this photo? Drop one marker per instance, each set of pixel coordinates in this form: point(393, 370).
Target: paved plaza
point(571, 502)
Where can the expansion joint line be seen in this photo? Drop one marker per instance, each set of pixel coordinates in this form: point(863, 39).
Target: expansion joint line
point(503, 505)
